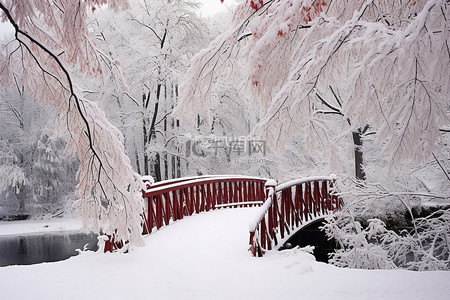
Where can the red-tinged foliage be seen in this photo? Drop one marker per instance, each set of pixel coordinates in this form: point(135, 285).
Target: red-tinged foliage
point(307, 18)
point(46, 60)
point(382, 58)
point(256, 5)
point(281, 33)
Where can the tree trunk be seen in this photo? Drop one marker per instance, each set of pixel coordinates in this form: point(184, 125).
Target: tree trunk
point(178, 167)
point(145, 101)
point(359, 159)
point(173, 166)
point(152, 135)
point(157, 167)
point(166, 167)
point(136, 156)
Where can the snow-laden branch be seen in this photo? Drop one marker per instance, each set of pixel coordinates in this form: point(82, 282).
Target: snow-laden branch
point(389, 62)
point(109, 190)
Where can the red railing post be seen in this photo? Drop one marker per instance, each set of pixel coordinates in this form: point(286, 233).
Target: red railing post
point(317, 199)
point(219, 193)
point(215, 195)
point(307, 199)
point(187, 200)
point(289, 208)
point(174, 205)
point(236, 188)
point(230, 192)
point(109, 244)
point(225, 193)
point(202, 198)
point(208, 197)
point(197, 199)
point(167, 208)
point(191, 200)
point(298, 204)
point(283, 212)
point(263, 233)
point(159, 214)
point(242, 191)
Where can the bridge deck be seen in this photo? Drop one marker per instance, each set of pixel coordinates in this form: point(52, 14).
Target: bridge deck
point(192, 240)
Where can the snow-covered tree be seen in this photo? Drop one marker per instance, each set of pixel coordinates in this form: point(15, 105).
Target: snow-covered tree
point(387, 60)
point(36, 174)
point(153, 41)
point(51, 43)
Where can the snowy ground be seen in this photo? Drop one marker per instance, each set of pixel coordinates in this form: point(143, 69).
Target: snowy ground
point(205, 257)
point(38, 226)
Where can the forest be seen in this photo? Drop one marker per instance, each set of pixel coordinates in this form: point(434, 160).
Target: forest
point(96, 94)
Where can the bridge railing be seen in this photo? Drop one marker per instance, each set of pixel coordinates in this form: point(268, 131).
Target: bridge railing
point(172, 200)
point(289, 206)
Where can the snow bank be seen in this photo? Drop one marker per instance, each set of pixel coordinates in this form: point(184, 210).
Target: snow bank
point(38, 226)
point(205, 257)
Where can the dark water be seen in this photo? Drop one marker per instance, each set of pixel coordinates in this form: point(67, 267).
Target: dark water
point(34, 249)
point(313, 236)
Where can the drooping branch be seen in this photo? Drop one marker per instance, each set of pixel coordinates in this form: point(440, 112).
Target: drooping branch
point(70, 89)
point(442, 168)
point(108, 187)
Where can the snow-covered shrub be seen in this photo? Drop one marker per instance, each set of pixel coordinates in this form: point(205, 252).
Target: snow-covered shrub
point(432, 243)
point(424, 245)
point(361, 248)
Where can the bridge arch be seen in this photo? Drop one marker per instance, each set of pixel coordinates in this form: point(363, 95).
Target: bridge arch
point(312, 235)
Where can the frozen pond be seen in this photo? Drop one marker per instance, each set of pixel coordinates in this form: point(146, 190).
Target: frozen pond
point(38, 248)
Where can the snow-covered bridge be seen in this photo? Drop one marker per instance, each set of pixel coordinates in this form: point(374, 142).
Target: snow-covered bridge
point(285, 208)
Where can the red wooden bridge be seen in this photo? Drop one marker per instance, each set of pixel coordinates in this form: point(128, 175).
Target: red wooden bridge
point(285, 208)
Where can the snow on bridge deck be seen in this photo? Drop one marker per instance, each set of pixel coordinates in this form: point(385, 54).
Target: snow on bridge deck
point(205, 257)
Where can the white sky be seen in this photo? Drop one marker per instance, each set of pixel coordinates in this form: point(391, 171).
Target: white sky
point(211, 7)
